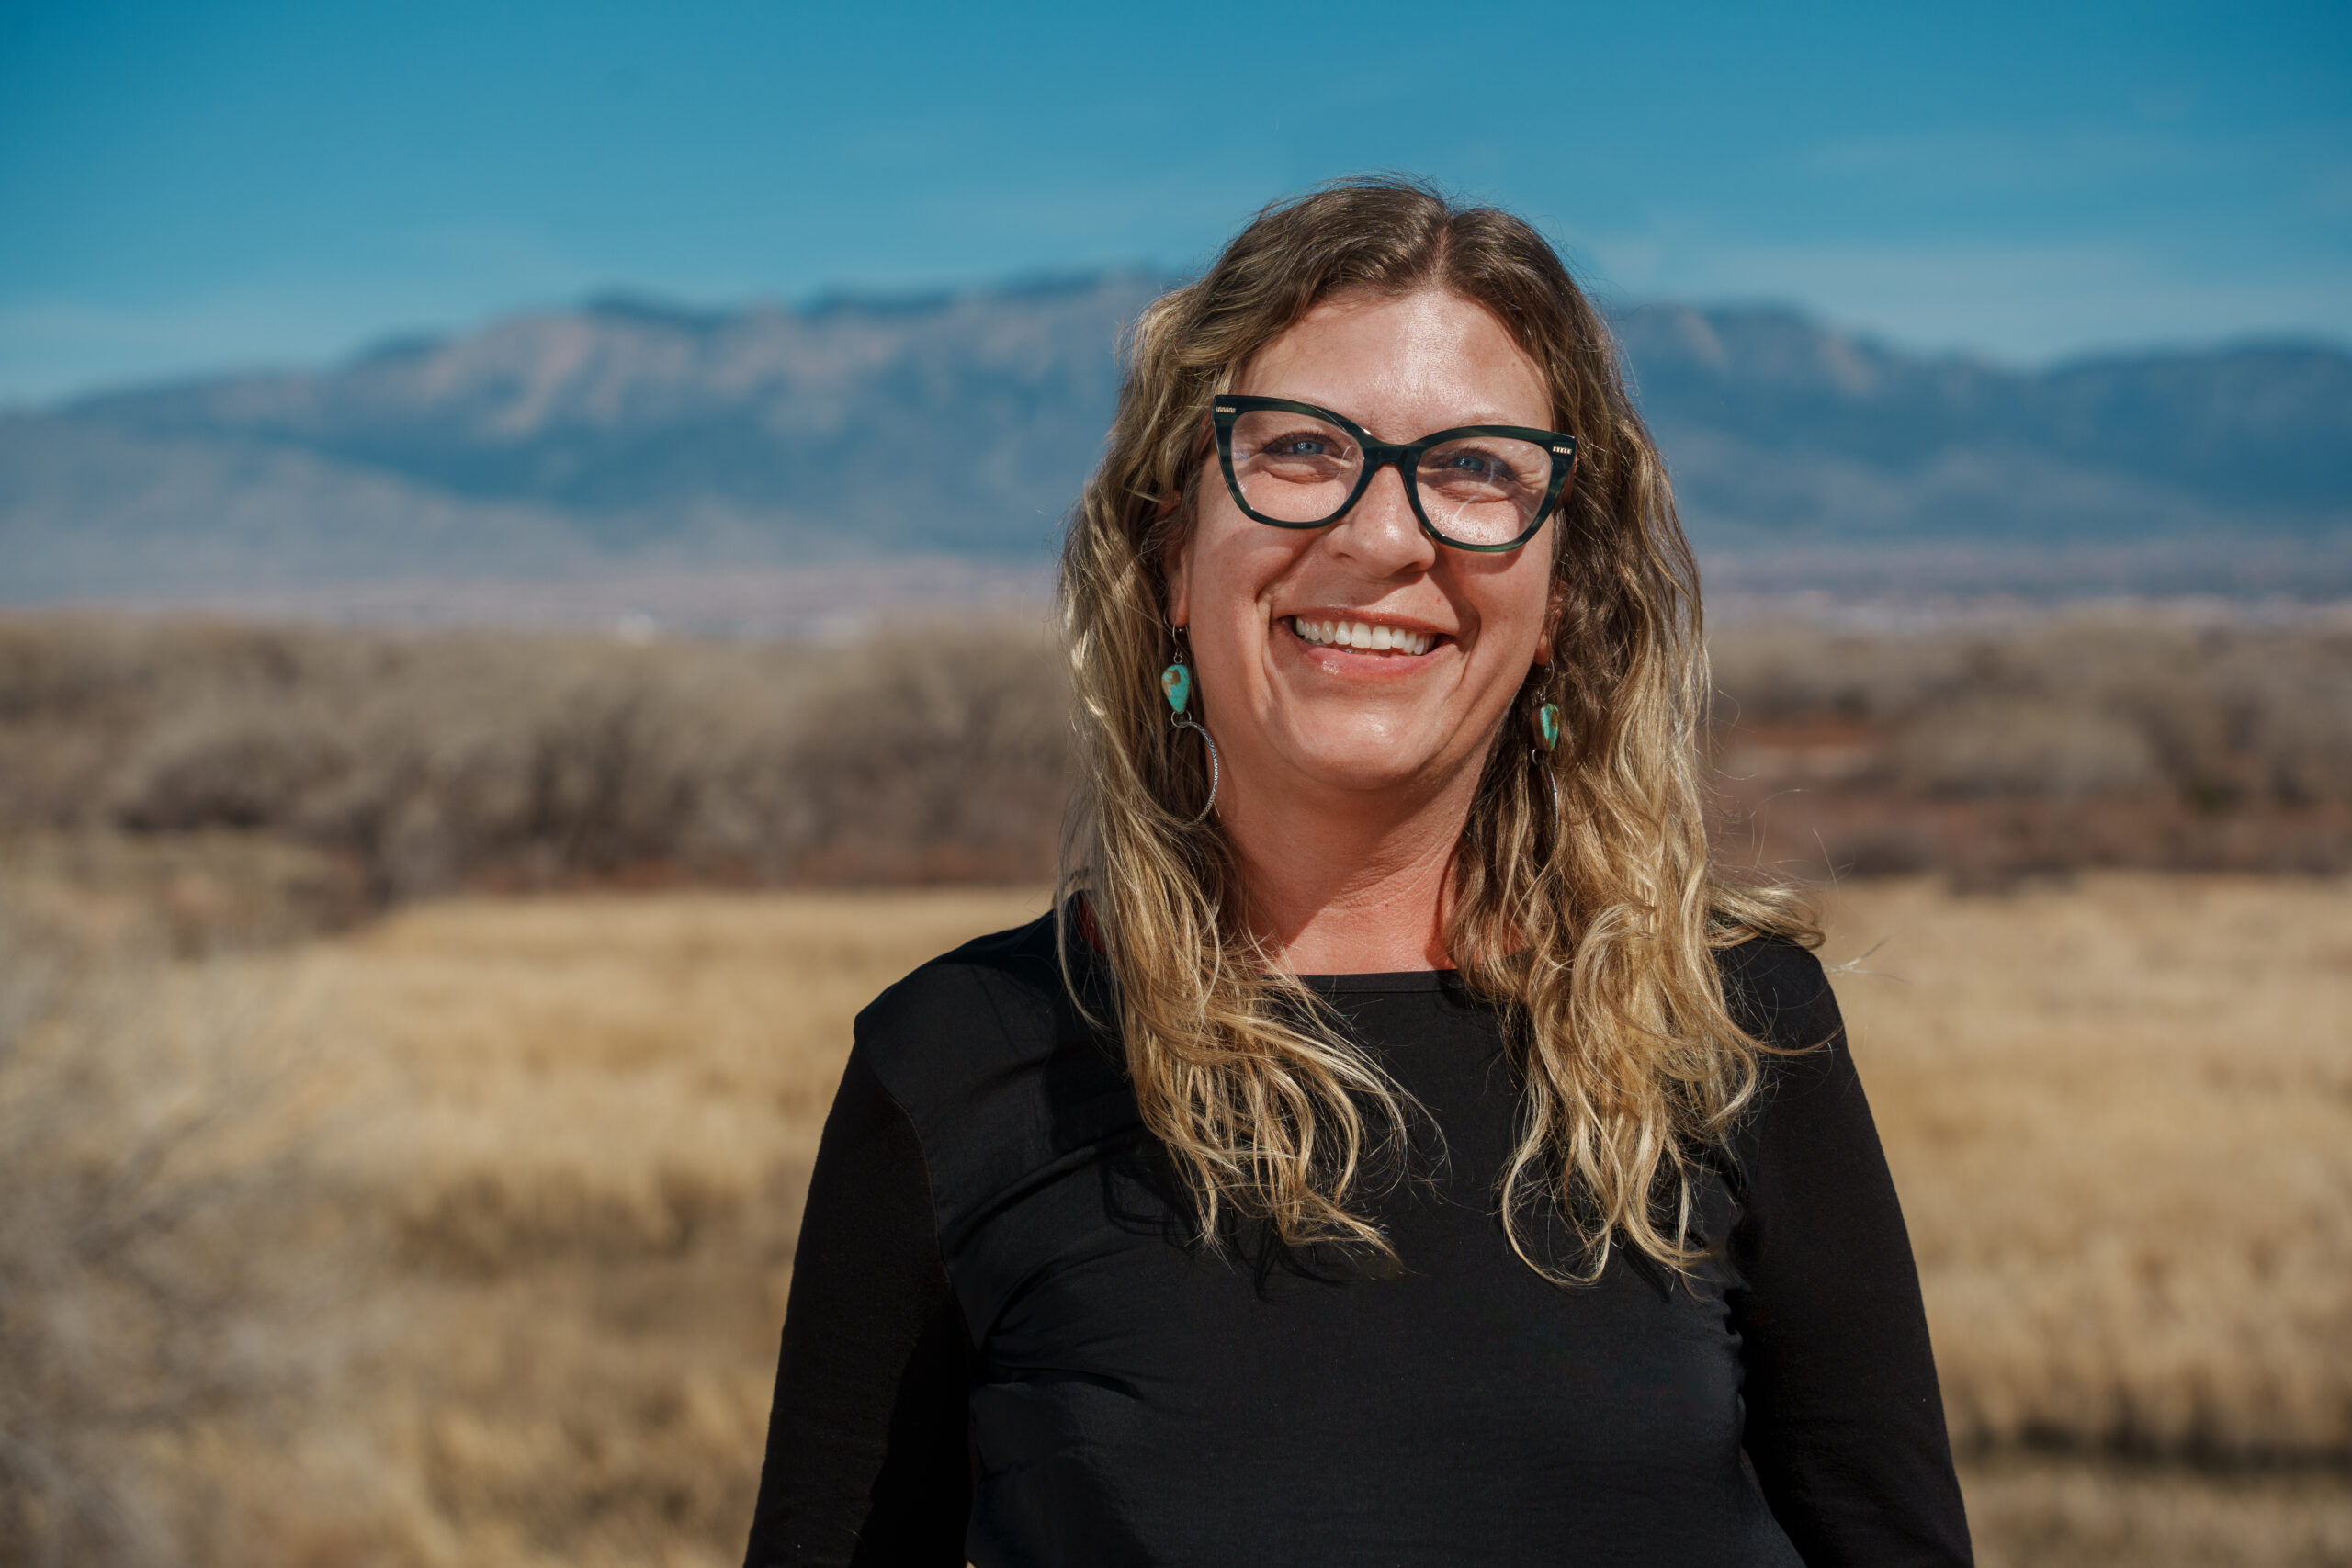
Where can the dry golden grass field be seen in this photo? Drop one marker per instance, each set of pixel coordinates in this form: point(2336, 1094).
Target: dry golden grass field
point(506, 1290)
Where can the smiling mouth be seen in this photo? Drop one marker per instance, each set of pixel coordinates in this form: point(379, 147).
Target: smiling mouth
point(1368, 636)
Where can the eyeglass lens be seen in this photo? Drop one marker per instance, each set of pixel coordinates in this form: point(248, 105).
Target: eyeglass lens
point(1479, 490)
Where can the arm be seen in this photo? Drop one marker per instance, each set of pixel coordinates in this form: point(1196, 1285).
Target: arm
point(1845, 1423)
point(866, 1462)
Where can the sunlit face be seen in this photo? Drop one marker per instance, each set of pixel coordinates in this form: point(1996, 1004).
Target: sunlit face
point(1295, 712)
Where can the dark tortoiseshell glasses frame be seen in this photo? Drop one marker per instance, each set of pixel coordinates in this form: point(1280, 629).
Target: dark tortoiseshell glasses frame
point(1560, 446)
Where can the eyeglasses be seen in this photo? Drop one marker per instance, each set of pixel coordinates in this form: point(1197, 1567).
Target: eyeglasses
point(1477, 486)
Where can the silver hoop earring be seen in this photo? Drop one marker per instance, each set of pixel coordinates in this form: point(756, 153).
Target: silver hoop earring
point(1176, 685)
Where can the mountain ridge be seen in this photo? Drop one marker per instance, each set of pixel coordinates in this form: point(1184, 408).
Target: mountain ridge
point(626, 431)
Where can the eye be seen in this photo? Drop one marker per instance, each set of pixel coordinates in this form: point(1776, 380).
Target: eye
point(1477, 465)
point(1302, 444)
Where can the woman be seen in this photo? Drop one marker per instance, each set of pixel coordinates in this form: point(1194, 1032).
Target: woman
point(1401, 1146)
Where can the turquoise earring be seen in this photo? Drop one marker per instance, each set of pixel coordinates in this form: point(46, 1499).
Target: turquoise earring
point(1177, 682)
point(1548, 730)
point(1176, 685)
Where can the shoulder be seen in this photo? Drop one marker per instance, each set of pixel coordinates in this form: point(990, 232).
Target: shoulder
point(978, 999)
point(1808, 1095)
point(1778, 992)
point(1015, 965)
point(974, 1023)
point(999, 1073)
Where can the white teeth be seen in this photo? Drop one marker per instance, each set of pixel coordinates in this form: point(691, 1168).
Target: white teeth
point(1362, 634)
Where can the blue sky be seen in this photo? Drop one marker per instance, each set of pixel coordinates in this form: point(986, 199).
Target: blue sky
point(194, 186)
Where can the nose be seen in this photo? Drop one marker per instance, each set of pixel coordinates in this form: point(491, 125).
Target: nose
point(1379, 533)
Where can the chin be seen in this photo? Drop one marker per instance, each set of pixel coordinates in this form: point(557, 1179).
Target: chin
point(1360, 767)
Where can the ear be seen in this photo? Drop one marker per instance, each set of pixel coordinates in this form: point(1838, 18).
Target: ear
point(1176, 558)
point(1555, 605)
point(1177, 571)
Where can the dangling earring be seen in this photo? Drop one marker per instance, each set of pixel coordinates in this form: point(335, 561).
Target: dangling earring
point(1547, 733)
point(1176, 683)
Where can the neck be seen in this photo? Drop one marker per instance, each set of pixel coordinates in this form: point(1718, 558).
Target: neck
point(1353, 886)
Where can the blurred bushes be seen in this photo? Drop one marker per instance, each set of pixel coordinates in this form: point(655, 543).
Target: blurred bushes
point(2093, 704)
point(429, 763)
point(2091, 738)
point(2027, 746)
point(154, 1235)
point(417, 764)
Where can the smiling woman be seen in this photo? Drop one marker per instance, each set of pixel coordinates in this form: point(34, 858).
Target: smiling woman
point(1374, 733)
point(1401, 1144)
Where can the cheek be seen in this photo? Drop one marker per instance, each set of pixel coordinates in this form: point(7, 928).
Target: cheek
point(1514, 612)
point(1229, 566)
point(1201, 566)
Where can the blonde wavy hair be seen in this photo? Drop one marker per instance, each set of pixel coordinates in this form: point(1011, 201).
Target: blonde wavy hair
point(1589, 922)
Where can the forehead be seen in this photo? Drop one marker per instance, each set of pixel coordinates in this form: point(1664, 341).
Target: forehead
point(1380, 359)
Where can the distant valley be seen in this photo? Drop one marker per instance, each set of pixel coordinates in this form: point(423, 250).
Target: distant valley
point(629, 437)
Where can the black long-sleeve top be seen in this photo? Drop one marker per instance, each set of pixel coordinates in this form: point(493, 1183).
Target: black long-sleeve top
point(1001, 1341)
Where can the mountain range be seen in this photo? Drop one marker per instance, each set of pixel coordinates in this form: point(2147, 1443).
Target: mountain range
point(627, 434)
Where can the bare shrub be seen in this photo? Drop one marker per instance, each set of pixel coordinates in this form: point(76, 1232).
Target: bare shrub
point(941, 754)
point(2296, 716)
point(2208, 705)
point(2049, 745)
point(937, 761)
point(479, 760)
point(2036, 749)
point(226, 766)
point(139, 1265)
point(1785, 670)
